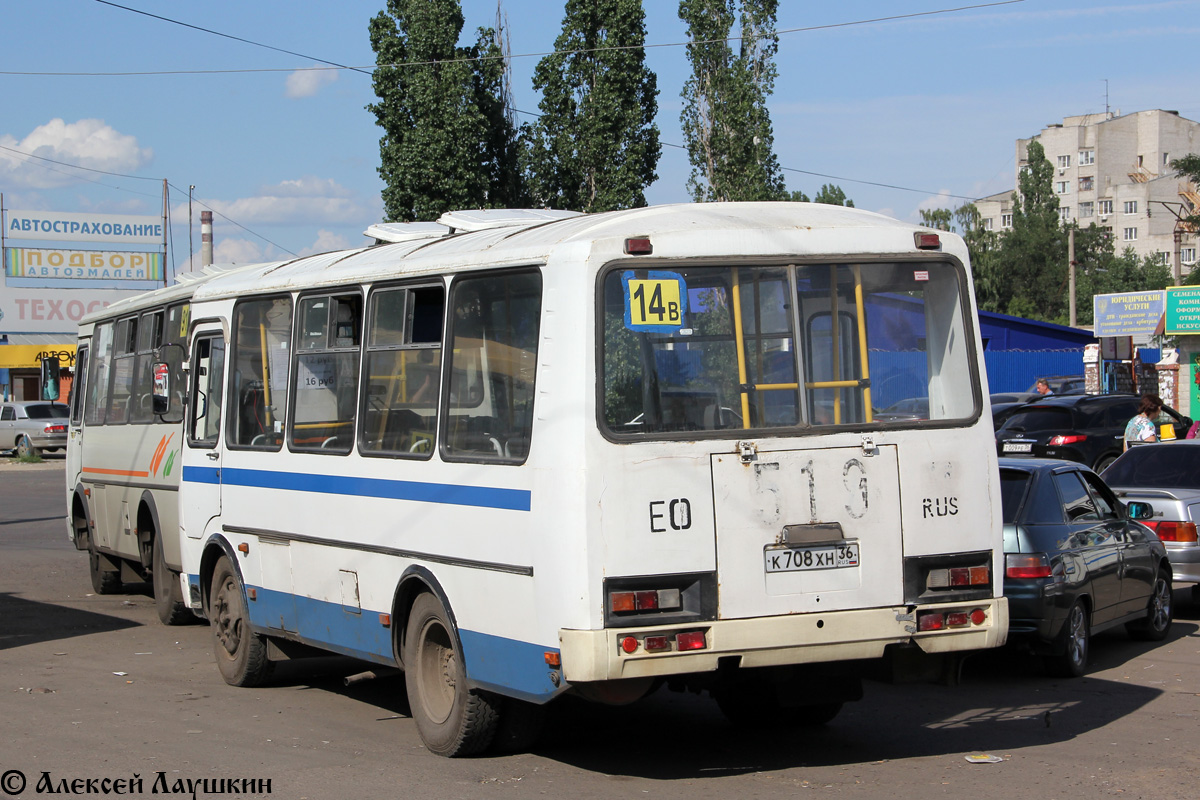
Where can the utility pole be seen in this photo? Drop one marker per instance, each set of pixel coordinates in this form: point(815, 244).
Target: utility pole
point(1071, 272)
point(191, 241)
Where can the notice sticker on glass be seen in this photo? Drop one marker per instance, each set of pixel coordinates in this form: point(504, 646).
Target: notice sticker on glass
point(655, 302)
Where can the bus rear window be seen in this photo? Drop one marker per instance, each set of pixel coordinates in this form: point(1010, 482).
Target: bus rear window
point(736, 348)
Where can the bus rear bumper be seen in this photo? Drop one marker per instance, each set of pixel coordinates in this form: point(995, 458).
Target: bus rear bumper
point(602, 655)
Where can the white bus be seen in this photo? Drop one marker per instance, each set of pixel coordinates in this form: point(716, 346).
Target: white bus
point(123, 460)
point(520, 456)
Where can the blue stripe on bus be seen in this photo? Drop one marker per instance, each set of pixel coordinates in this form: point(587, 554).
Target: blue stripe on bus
point(508, 666)
point(445, 493)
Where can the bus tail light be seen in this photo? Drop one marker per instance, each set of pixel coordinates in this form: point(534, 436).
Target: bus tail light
point(657, 644)
point(931, 621)
point(1173, 531)
point(691, 641)
point(955, 577)
point(943, 620)
point(1021, 565)
point(645, 600)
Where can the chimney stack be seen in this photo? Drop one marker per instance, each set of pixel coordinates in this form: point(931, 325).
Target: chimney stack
point(206, 242)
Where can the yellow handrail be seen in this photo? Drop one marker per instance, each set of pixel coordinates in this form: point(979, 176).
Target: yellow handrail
point(266, 368)
point(739, 342)
point(835, 341)
point(862, 342)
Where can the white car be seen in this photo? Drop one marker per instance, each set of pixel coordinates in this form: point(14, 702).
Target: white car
point(30, 427)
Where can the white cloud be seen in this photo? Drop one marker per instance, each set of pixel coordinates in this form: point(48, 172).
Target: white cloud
point(326, 242)
point(307, 82)
point(237, 251)
point(305, 201)
point(87, 143)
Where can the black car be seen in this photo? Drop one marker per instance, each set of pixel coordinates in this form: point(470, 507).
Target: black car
point(1077, 562)
point(1086, 428)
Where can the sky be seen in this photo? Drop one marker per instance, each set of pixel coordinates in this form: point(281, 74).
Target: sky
point(920, 110)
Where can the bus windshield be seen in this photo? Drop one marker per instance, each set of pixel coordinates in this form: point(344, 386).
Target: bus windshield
point(689, 349)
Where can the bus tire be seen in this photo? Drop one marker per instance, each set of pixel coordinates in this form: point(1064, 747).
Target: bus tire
point(452, 719)
point(168, 597)
point(103, 581)
point(240, 652)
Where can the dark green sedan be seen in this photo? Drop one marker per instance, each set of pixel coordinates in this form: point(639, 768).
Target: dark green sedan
point(1077, 562)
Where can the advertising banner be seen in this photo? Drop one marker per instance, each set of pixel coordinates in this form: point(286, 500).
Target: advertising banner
point(89, 265)
point(52, 310)
point(1127, 314)
point(29, 356)
point(56, 226)
point(1183, 310)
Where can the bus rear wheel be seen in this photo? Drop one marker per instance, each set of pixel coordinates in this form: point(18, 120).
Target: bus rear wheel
point(168, 596)
point(241, 653)
point(104, 581)
point(452, 719)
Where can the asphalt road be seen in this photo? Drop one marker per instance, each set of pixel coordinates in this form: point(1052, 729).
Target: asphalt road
point(93, 688)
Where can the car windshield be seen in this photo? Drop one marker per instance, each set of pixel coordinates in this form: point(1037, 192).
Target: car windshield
point(1040, 419)
point(1169, 466)
point(1013, 484)
point(46, 411)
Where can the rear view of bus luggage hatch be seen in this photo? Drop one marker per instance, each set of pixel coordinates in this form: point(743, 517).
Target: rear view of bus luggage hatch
point(807, 530)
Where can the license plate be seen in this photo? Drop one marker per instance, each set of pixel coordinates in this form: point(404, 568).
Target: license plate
point(801, 559)
point(1018, 447)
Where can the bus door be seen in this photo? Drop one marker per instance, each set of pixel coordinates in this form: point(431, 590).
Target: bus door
point(75, 424)
point(201, 493)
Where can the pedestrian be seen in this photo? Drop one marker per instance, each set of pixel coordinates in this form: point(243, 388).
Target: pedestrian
point(1143, 428)
point(1043, 387)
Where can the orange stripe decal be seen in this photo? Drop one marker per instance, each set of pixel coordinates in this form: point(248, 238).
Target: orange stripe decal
point(126, 472)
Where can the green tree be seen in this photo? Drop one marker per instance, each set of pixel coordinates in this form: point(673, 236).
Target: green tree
point(725, 119)
point(941, 219)
point(1189, 167)
point(1031, 263)
point(833, 196)
point(447, 142)
point(595, 147)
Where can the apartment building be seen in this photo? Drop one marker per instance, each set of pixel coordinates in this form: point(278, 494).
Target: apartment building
point(1114, 170)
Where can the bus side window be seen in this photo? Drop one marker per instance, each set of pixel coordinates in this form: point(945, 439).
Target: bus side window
point(495, 323)
point(325, 381)
point(403, 371)
point(148, 340)
point(208, 370)
point(175, 332)
point(124, 359)
point(80, 386)
point(97, 397)
point(261, 360)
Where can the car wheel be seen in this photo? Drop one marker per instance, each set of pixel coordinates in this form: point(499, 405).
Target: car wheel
point(1076, 640)
point(25, 448)
point(452, 719)
point(241, 653)
point(1159, 613)
point(168, 597)
point(1103, 462)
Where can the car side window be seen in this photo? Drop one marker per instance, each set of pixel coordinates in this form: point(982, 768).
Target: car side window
point(1106, 503)
point(8, 414)
point(1076, 499)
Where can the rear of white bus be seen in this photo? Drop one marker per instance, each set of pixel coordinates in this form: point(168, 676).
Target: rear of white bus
point(798, 476)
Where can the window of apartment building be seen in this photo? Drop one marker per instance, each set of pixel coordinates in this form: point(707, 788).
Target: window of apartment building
point(987, 224)
point(1087, 209)
point(1062, 187)
point(1166, 158)
point(1087, 184)
point(1130, 235)
point(1087, 157)
point(1131, 206)
point(1064, 162)
point(1141, 161)
point(1005, 220)
point(1064, 213)
point(1187, 255)
point(1105, 207)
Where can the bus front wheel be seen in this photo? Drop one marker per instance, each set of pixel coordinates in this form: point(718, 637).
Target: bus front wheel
point(452, 719)
point(241, 653)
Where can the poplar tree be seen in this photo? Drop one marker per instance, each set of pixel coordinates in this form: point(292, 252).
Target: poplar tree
point(595, 146)
point(725, 119)
point(447, 142)
point(1032, 260)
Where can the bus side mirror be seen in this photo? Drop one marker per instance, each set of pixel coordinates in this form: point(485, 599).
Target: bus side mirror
point(49, 378)
point(162, 388)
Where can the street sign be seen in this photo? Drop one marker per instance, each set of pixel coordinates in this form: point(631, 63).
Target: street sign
point(1183, 310)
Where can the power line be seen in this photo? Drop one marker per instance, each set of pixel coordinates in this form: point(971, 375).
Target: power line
point(228, 36)
point(234, 222)
point(369, 69)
